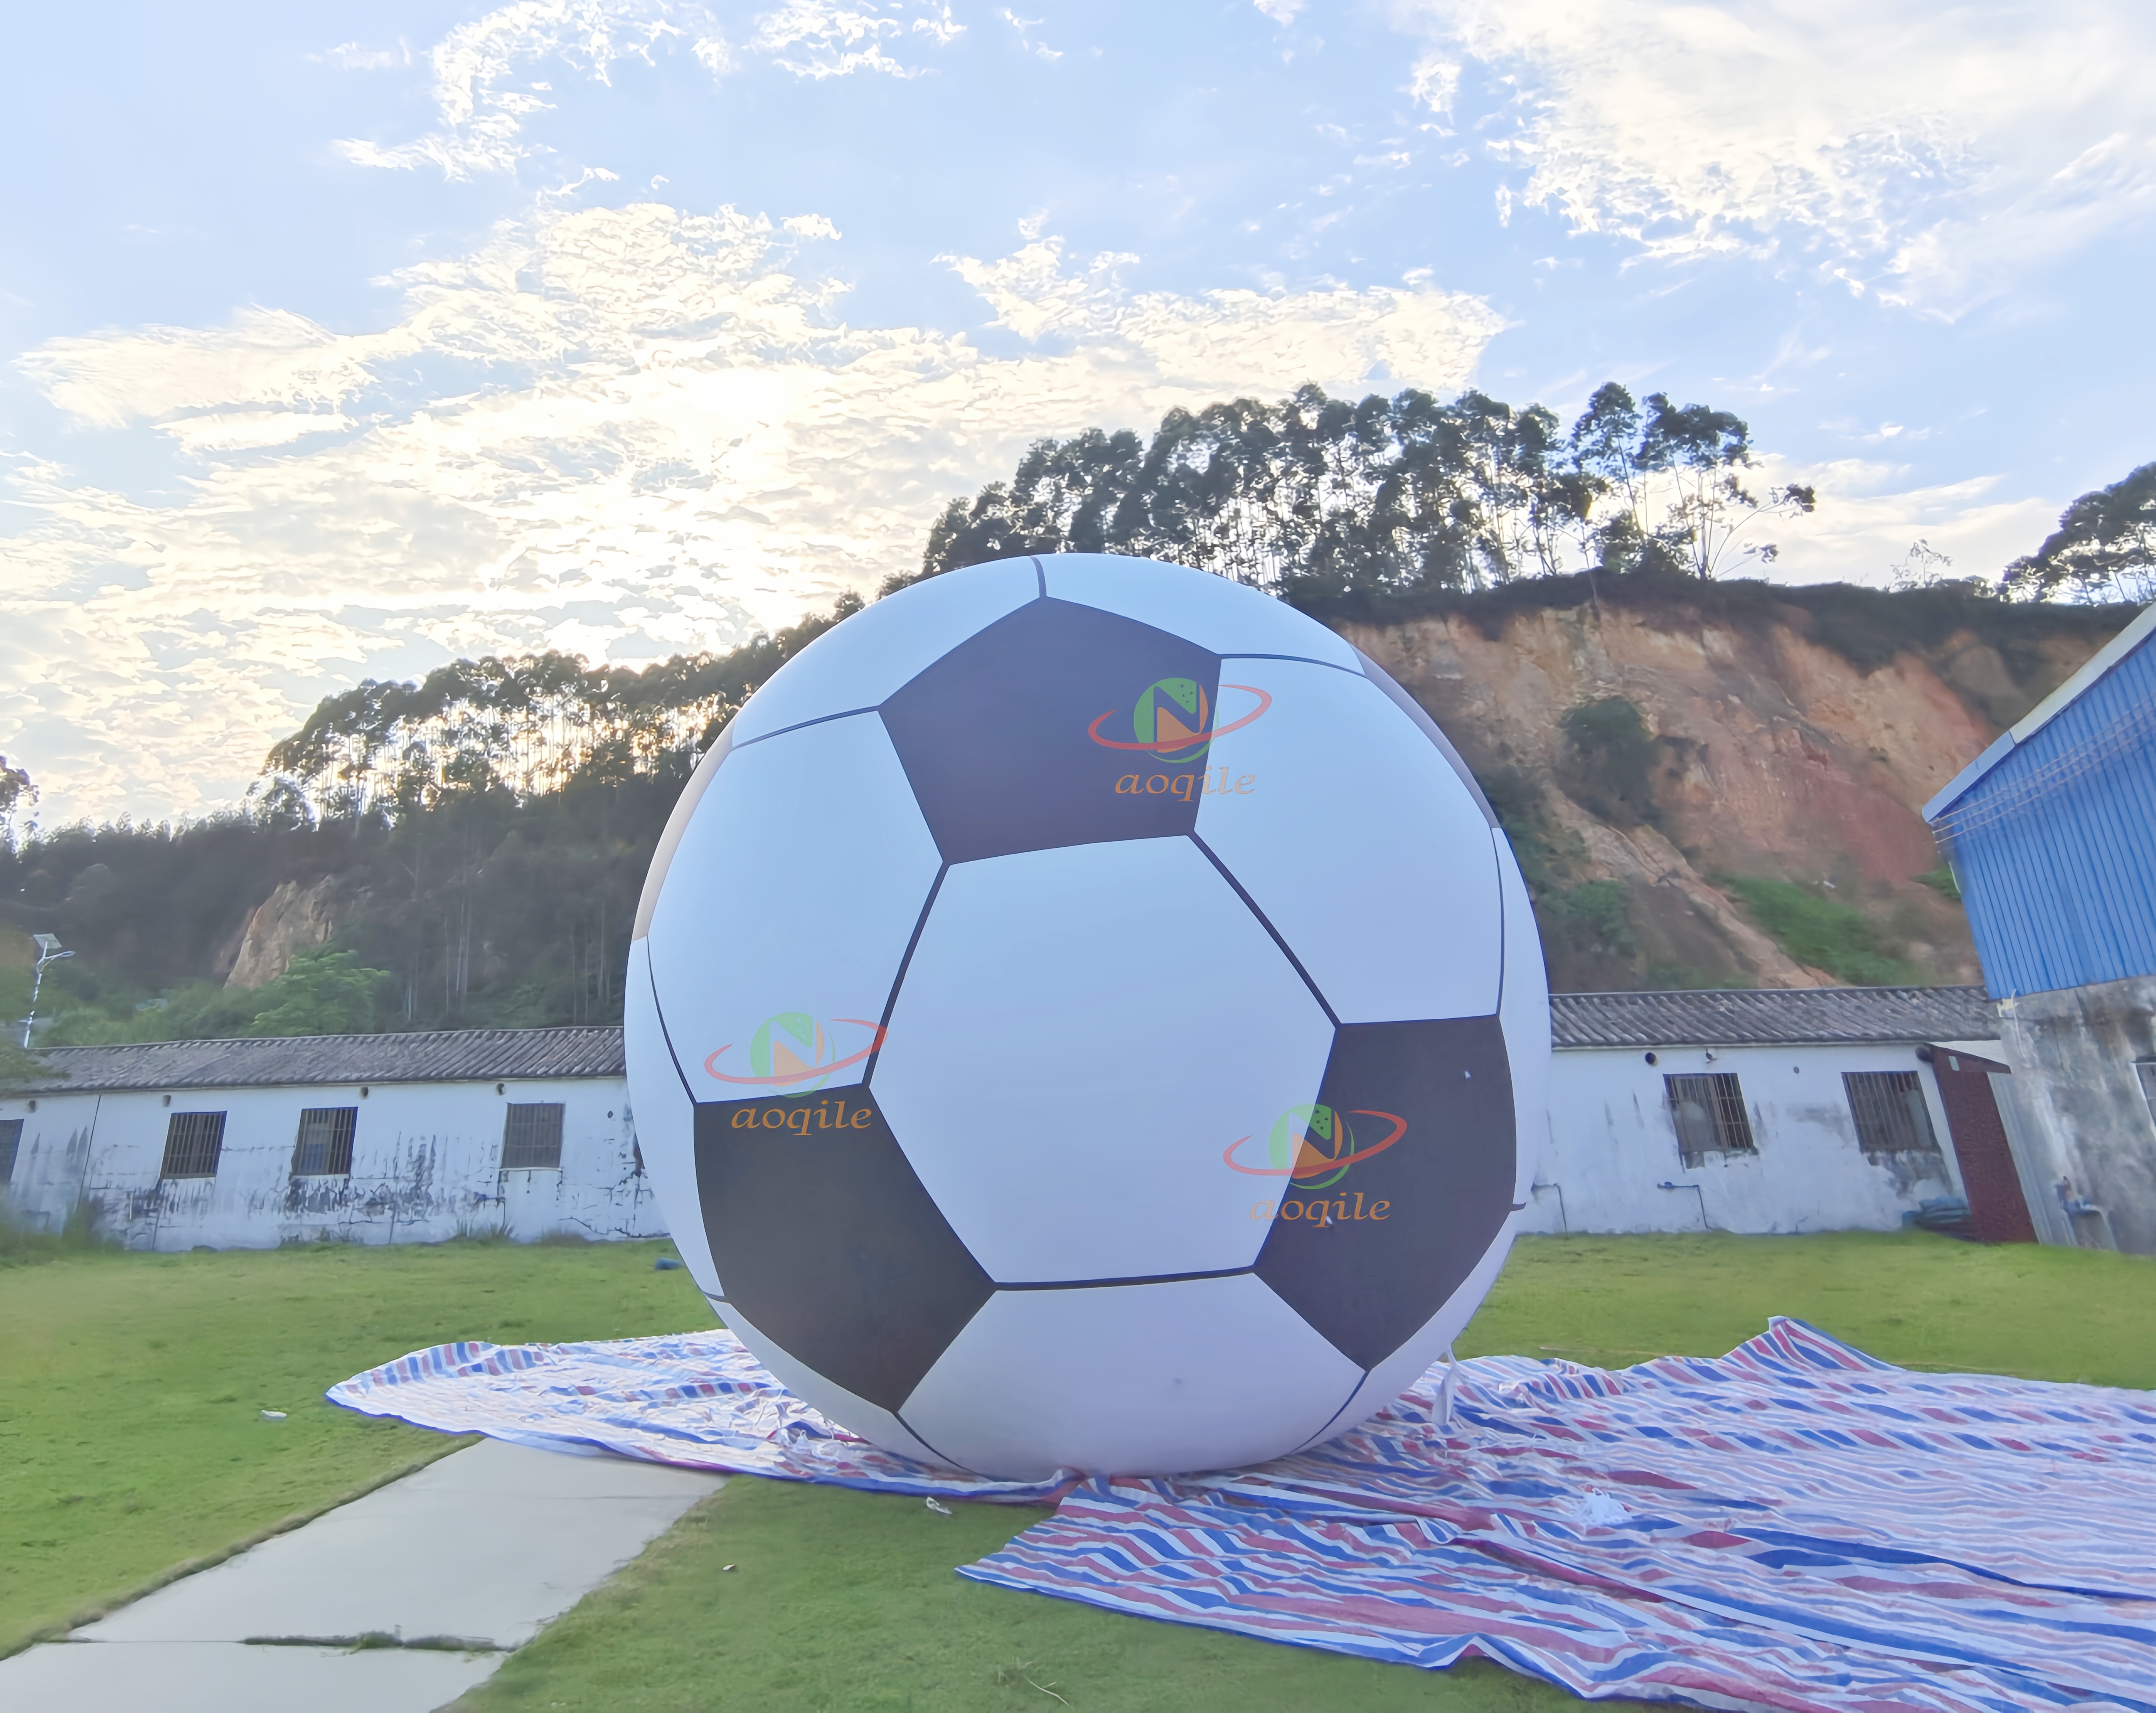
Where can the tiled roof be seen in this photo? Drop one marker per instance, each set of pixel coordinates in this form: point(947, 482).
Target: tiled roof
point(1711, 1017)
point(1772, 1016)
point(442, 1055)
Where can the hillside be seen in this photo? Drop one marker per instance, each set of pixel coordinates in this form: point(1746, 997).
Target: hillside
point(1722, 783)
point(1706, 783)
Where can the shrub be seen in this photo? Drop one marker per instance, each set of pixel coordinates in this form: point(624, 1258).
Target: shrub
point(1823, 932)
point(1592, 918)
point(1611, 756)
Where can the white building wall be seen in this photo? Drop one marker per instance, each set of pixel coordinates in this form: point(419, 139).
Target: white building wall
point(426, 1166)
point(426, 1157)
point(1613, 1145)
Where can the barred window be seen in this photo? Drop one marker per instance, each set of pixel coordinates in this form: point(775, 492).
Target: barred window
point(1710, 1117)
point(324, 1147)
point(1888, 1106)
point(11, 1139)
point(532, 1137)
point(193, 1142)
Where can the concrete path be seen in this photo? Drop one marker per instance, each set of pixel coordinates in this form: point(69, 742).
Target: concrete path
point(482, 1548)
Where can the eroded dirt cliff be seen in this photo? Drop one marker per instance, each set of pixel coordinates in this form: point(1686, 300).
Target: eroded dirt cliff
point(1708, 789)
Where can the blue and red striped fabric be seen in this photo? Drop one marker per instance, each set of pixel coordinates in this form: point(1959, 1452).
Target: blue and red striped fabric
point(698, 1400)
point(1794, 1525)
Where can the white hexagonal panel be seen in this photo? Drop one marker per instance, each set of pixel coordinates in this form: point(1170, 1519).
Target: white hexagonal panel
point(773, 957)
point(1525, 1013)
point(664, 1118)
point(1330, 803)
point(1387, 1379)
point(677, 824)
point(856, 1415)
point(1130, 1380)
point(1082, 1036)
point(1212, 612)
point(863, 660)
point(1418, 716)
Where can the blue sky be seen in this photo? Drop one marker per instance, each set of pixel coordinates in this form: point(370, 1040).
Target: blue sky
point(343, 339)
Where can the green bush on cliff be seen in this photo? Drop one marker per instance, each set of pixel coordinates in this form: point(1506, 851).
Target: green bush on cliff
point(1592, 918)
point(1823, 932)
point(1611, 756)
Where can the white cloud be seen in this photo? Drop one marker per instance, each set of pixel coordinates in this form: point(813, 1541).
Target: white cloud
point(676, 440)
point(250, 430)
point(356, 56)
point(1935, 152)
point(1869, 514)
point(484, 90)
point(1024, 26)
point(821, 38)
point(263, 358)
point(482, 114)
point(1282, 12)
point(939, 27)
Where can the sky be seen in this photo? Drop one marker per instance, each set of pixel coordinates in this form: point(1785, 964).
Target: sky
point(339, 340)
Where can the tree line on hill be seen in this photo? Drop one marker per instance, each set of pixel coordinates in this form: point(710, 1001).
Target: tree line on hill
point(480, 837)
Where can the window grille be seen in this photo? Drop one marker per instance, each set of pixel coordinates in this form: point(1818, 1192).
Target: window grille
point(1710, 1117)
point(532, 1137)
point(324, 1147)
point(193, 1142)
point(1888, 1106)
point(11, 1139)
point(2146, 1067)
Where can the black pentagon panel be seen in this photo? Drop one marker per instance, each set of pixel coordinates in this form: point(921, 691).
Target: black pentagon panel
point(827, 1241)
point(1058, 724)
point(1402, 1177)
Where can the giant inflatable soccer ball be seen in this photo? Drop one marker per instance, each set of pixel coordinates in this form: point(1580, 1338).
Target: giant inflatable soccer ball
point(1082, 1015)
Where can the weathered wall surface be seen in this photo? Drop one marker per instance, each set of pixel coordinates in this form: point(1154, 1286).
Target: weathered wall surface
point(426, 1166)
point(2075, 1054)
point(1775, 757)
point(1613, 1146)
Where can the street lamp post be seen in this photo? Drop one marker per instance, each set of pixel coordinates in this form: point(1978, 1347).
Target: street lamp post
point(49, 951)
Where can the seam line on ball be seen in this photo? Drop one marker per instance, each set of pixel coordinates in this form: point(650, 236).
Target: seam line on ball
point(899, 1417)
point(651, 978)
point(1504, 930)
point(1300, 660)
point(1104, 1284)
point(1040, 576)
point(1353, 1392)
point(1251, 904)
point(898, 981)
point(801, 724)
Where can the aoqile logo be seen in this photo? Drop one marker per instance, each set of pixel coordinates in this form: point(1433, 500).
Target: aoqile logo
point(1171, 720)
point(798, 1053)
point(1314, 1146)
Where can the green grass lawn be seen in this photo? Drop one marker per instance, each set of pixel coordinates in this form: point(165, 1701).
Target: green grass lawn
point(131, 1438)
point(132, 1388)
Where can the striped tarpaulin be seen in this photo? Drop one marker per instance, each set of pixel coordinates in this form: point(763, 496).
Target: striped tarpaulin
point(698, 1400)
point(1794, 1525)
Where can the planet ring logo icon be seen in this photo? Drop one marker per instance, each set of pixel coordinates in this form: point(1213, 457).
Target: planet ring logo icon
point(1159, 731)
point(1297, 1152)
point(795, 1052)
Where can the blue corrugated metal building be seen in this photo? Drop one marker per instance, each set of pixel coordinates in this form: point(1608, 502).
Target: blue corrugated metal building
point(2052, 835)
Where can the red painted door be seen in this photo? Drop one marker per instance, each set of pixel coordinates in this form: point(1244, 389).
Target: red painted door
point(1998, 1212)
